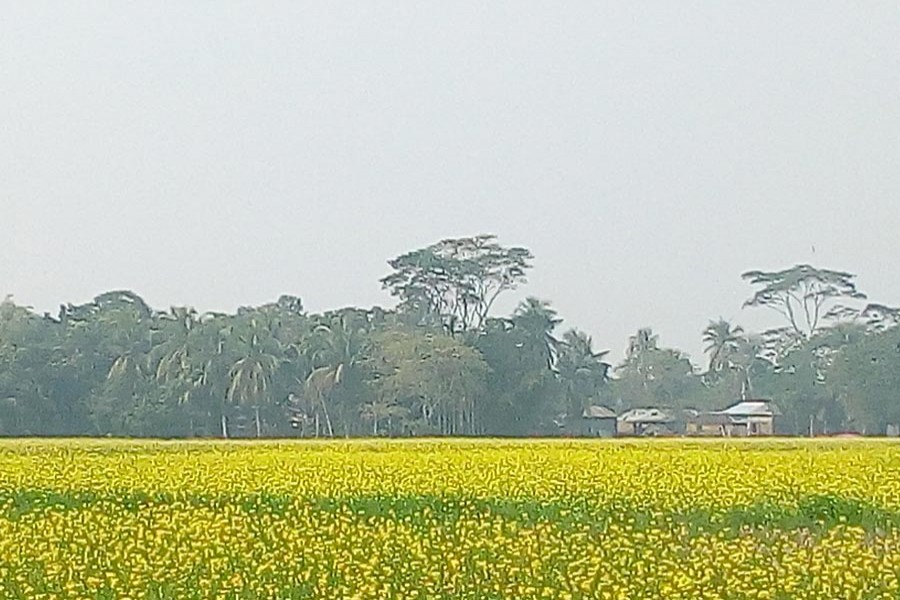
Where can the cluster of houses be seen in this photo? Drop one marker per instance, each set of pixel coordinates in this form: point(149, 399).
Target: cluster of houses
point(744, 419)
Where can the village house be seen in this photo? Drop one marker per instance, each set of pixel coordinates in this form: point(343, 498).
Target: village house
point(709, 424)
point(598, 421)
point(745, 419)
point(753, 417)
point(646, 422)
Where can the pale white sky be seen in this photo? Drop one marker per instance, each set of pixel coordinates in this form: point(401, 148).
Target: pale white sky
point(223, 153)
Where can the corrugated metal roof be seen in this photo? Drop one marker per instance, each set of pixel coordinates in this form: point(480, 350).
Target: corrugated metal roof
point(751, 408)
point(646, 415)
point(598, 412)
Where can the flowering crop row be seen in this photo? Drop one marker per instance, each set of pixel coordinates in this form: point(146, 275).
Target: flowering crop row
point(450, 519)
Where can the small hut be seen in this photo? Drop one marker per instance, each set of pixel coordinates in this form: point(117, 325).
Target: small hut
point(598, 421)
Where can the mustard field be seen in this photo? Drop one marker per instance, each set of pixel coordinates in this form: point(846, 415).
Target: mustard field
point(450, 519)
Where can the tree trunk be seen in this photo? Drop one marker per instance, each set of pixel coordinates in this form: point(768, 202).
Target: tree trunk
point(258, 427)
point(327, 418)
point(224, 426)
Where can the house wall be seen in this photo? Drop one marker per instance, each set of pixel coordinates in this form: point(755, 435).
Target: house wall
point(602, 427)
point(761, 426)
point(599, 427)
point(705, 429)
point(623, 428)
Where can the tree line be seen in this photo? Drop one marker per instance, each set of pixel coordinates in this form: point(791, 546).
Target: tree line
point(439, 363)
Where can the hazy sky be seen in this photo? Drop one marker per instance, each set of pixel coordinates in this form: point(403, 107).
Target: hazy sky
point(223, 153)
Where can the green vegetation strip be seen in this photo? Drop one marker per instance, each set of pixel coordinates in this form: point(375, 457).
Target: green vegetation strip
point(815, 513)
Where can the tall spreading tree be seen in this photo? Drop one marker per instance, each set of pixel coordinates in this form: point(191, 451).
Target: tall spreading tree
point(880, 317)
point(455, 282)
point(807, 298)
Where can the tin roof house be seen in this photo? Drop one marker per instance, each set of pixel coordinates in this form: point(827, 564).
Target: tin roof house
point(751, 418)
point(646, 422)
point(598, 421)
point(710, 424)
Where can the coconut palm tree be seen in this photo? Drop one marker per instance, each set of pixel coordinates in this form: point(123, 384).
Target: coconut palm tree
point(318, 386)
point(722, 341)
point(747, 360)
point(333, 350)
point(250, 376)
point(536, 320)
point(641, 342)
point(190, 362)
point(582, 371)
